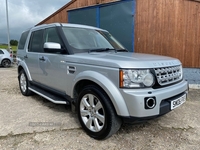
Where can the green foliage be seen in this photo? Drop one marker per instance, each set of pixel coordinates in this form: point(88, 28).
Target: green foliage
point(4, 46)
point(14, 42)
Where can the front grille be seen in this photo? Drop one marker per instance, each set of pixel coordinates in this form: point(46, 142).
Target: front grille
point(168, 75)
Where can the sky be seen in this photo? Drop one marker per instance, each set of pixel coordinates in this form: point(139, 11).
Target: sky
point(24, 14)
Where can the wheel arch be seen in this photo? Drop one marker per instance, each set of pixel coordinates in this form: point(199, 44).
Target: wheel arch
point(23, 66)
point(5, 59)
point(95, 78)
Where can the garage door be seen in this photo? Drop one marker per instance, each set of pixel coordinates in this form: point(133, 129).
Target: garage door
point(116, 17)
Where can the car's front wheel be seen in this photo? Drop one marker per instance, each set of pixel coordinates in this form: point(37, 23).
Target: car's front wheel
point(24, 83)
point(6, 63)
point(96, 113)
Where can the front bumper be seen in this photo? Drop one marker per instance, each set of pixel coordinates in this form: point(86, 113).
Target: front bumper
point(164, 108)
point(135, 100)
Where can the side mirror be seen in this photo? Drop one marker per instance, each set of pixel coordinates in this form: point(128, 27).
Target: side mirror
point(52, 47)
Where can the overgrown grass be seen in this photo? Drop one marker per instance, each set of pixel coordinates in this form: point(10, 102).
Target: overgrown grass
point(14, 48)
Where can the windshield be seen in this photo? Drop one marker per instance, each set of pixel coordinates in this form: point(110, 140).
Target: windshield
point(84, 40)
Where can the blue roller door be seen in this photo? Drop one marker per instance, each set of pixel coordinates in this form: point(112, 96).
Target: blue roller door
point(116, 17)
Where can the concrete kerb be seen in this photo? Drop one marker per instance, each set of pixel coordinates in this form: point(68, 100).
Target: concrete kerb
point(194, 86)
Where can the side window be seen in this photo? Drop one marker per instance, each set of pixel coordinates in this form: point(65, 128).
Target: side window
point(1, 52)
point(36, 41)
point(22, 40)
point(51, 35)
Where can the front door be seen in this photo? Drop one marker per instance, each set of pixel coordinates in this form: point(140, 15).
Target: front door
point(52, 65)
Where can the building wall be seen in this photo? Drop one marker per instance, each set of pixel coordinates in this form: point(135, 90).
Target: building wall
point(115, 17)
point(165, 27)
point(169, 27)
point(61, 14)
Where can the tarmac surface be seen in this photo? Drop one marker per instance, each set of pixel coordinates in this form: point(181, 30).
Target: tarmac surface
point(35, 123)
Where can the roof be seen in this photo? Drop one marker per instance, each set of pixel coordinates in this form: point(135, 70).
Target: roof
point(80, 26)
point(56, 12)
point(66, 25)
point(4, 50)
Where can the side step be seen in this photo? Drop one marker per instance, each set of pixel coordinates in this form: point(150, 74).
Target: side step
point(47, 95)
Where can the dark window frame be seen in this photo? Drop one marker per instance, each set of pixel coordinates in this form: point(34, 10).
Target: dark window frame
point(58, 39)
point(1, 52)
point(22, 40)
point(39, 40)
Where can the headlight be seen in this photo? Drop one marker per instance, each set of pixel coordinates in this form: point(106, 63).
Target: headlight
point(136, 78)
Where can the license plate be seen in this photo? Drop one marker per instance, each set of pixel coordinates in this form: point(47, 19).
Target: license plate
point(178, 102)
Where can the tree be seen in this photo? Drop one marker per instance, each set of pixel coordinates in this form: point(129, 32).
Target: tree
point(14, 42)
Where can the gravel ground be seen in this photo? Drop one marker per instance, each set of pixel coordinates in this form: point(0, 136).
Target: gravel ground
point(34, 123)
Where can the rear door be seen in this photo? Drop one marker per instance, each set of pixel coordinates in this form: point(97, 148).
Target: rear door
point(34, 48)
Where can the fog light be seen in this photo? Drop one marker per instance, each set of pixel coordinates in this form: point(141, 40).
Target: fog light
point(150, 102)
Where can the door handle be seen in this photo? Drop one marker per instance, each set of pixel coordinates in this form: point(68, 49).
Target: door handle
point(42, 58)
point(25, 56)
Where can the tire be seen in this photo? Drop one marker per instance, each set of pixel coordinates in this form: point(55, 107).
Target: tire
point(96, 113)
point(6, 63)
point(24, 84)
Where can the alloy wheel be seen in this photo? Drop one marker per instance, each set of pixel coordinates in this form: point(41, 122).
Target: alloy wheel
point(92, 112)
point(23, 83)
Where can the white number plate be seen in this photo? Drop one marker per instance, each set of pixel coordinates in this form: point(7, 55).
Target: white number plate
point(178, 102)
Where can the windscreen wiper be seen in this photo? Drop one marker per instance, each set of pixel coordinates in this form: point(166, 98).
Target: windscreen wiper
point(122, 50)
point(101, 50)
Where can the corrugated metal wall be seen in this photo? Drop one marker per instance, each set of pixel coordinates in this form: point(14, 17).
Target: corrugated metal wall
point(169, 27)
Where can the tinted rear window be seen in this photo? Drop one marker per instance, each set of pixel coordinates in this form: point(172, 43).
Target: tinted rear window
point(1, 52)
point(22, 40)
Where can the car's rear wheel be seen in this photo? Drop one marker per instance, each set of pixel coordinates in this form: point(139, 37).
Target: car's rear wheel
point(6, 63)
point(96, 113)
point(24, 83)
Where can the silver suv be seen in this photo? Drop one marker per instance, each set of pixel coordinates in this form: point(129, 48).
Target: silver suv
point(89, 69)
